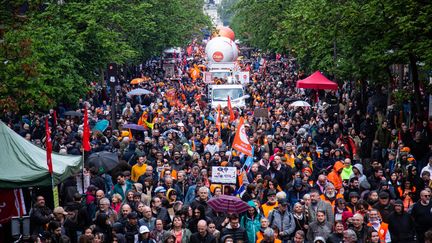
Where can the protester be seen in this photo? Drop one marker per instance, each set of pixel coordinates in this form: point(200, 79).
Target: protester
point(338, 159)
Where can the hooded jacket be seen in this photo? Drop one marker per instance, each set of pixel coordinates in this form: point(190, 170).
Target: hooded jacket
point(401, 227)
point(252, 225)
point(334, 176)
point(362, 178)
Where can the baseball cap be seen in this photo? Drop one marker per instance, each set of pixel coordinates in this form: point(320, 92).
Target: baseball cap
point(132, 215)
point(283, 201)
point(384, 195)
point(398, 202)
point(160, 189)
point(59, 210)
point(143, 229)
point(271, 192)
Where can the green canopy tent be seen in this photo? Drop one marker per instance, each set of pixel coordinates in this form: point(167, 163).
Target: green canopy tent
point(23, 164)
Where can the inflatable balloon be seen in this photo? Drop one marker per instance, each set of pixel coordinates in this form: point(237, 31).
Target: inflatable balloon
point(221, 49)
point(222, 31)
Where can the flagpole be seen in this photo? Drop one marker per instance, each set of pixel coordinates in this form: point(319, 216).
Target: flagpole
point(82, 173)
point(48, 146)
point(229, 140)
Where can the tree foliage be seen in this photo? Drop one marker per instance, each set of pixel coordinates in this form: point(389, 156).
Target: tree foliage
point(49, 52)
point(350, 39)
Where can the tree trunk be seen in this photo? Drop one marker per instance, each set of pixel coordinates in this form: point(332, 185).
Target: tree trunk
point(102, 77)
point(416, 83)
point(389, 88)
point(363, 97)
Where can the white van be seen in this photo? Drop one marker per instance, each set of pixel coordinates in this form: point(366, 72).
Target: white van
point(218, 95)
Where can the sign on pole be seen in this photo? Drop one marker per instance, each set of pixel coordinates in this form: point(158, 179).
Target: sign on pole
point(224, 175)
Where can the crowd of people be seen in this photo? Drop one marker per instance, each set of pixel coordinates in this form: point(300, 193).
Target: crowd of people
point(343, 170)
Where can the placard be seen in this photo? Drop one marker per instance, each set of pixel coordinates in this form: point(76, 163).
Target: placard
point(208, 78)
point(242, 77)
point(224, 175)
point(261, 112)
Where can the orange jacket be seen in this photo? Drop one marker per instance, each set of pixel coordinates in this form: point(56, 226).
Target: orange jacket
point(334, 177)
point(260, 237)
point(266, 208)
point(324, 198)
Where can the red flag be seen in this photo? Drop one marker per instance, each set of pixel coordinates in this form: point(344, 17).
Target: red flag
point(231, 112)
point(12, 204)
point(48, 146)
point(189, 50)
point(86, 134)
point(241, 141)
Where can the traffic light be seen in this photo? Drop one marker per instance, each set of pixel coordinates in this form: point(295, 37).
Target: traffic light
point(112, 72)
point(112, 69)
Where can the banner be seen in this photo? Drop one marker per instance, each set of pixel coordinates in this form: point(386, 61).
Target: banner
point(249, 161)
point(11, 204)
point(56, 197)
point(241, 77)
point(86, 132)
point(208, 78)
point(241, 141)
point(224, 175)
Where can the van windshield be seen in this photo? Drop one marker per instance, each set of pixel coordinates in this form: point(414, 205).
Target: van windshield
point(222, 94)
point(171, 55)
point(221, 75)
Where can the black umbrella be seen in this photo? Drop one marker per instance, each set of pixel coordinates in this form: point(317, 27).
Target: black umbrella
point(104, 161)
point(73, 113)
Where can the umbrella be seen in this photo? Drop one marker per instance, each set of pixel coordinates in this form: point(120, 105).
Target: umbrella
point(137, 81)
point(101, 125)
point(300, 103)
point(228, 204)
point(104, 161)
point(73, 113)
point(134, 127)
point(138, 91)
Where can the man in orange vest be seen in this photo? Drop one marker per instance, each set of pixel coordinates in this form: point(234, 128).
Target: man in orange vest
point(330, 194)
point(381, 227)
point(270, 204)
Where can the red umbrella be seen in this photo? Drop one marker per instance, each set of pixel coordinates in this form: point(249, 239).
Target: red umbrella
point(228, 204)
point(317, 81)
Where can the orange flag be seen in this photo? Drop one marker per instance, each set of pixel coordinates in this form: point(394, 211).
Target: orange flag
point(130, 135)
point(231, 112)
point(241, 141)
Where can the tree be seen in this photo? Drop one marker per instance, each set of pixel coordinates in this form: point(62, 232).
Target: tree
point(350, 39)
point(50, 52)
